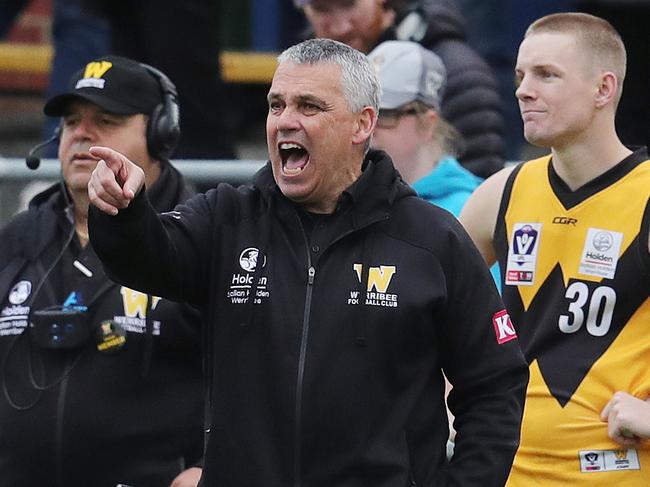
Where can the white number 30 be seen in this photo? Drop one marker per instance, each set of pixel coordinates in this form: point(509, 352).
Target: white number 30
point(598, 322)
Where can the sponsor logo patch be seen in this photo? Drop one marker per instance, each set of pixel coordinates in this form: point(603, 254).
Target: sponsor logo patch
point(592, 461)
point(242, 283)
point(600, 253)
point(503, 327)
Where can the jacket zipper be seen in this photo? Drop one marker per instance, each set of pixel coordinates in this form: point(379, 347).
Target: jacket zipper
point(301, 374)
point(60, 409)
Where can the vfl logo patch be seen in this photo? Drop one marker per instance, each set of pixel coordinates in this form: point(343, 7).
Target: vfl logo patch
point(522, 254)
point(503, 327)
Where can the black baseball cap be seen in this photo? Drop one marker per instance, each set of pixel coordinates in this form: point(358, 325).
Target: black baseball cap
point(116, 84)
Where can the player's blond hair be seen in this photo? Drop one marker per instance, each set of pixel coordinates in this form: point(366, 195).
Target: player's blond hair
point(599, 40)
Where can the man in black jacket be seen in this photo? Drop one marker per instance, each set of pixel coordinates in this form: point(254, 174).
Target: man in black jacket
point(335, 298)
point(471, 102)
point(101, 384)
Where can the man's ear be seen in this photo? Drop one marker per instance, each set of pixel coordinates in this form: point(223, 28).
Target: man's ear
point(364, 125)
point(607, 89)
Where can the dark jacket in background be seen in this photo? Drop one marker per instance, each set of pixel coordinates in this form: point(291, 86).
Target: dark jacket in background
point(133, 416)
point(471, 101)
point(328, 343)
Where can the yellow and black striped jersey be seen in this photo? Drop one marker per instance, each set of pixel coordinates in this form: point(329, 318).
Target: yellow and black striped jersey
point(576, 281)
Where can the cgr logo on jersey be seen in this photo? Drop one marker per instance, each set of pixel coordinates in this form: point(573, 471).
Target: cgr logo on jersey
point(241, 284)
point(135, 306)
point(379, 279)
point(93, 75)
point(503, 327)
point(522, 254)
point(564, 220)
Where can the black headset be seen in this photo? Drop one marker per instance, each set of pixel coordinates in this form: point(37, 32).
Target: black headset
point(163, 128)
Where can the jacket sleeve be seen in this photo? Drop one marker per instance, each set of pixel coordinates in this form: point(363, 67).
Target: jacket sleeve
point(472, 104)
point(484, 363)
point(164, 254)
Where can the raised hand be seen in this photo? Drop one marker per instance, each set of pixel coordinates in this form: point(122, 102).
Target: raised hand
point(114, 182)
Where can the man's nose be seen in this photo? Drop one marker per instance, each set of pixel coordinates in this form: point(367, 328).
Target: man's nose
point(524, 89)
point(83, 129)
point(288, 120)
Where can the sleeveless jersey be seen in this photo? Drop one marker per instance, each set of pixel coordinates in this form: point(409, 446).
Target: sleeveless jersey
point(576, 280)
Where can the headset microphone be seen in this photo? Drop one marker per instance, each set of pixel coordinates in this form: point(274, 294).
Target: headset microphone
point(33, 161)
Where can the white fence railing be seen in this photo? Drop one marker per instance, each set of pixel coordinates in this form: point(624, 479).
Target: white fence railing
point(16, 178)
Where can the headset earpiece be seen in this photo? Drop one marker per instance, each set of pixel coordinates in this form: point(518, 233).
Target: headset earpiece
point(163, 129)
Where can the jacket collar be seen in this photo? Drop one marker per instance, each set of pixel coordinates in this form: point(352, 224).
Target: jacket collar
point(378, 187)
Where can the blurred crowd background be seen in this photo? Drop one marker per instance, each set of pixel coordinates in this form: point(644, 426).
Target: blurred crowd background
point(221, 54)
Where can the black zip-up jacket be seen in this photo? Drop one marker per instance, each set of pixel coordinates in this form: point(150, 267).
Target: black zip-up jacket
point(134, 416)
point(331, 376)
point(471, 100)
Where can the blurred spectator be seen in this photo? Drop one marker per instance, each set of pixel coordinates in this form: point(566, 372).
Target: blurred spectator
point(421, 143)
point(77, 35)
point(631, 18)
point(9, 9)
point(181, 39)
point(471, 102)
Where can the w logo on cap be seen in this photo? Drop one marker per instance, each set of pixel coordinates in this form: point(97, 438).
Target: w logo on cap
point(93, 75)
point(96, 69)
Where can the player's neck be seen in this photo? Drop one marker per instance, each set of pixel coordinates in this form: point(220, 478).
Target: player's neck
point(581, 161)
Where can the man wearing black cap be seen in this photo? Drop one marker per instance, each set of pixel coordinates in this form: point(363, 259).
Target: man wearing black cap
point(100, 383)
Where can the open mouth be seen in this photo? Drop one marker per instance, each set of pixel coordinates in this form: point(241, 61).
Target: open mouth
point(294, 158)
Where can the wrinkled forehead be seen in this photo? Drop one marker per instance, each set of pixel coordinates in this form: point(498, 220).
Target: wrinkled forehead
point(292, 78)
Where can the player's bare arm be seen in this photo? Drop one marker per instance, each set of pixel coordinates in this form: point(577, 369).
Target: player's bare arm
point(479, 215)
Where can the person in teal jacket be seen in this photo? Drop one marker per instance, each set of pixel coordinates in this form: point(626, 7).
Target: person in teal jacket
point(422, 144)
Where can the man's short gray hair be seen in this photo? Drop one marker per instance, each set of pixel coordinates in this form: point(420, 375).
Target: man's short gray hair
point(358, 76)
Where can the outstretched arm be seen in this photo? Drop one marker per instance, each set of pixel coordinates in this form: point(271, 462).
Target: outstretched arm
point(628, 418)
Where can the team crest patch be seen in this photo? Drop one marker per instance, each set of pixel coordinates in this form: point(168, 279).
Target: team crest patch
point(377, 289)
point(522, 254)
